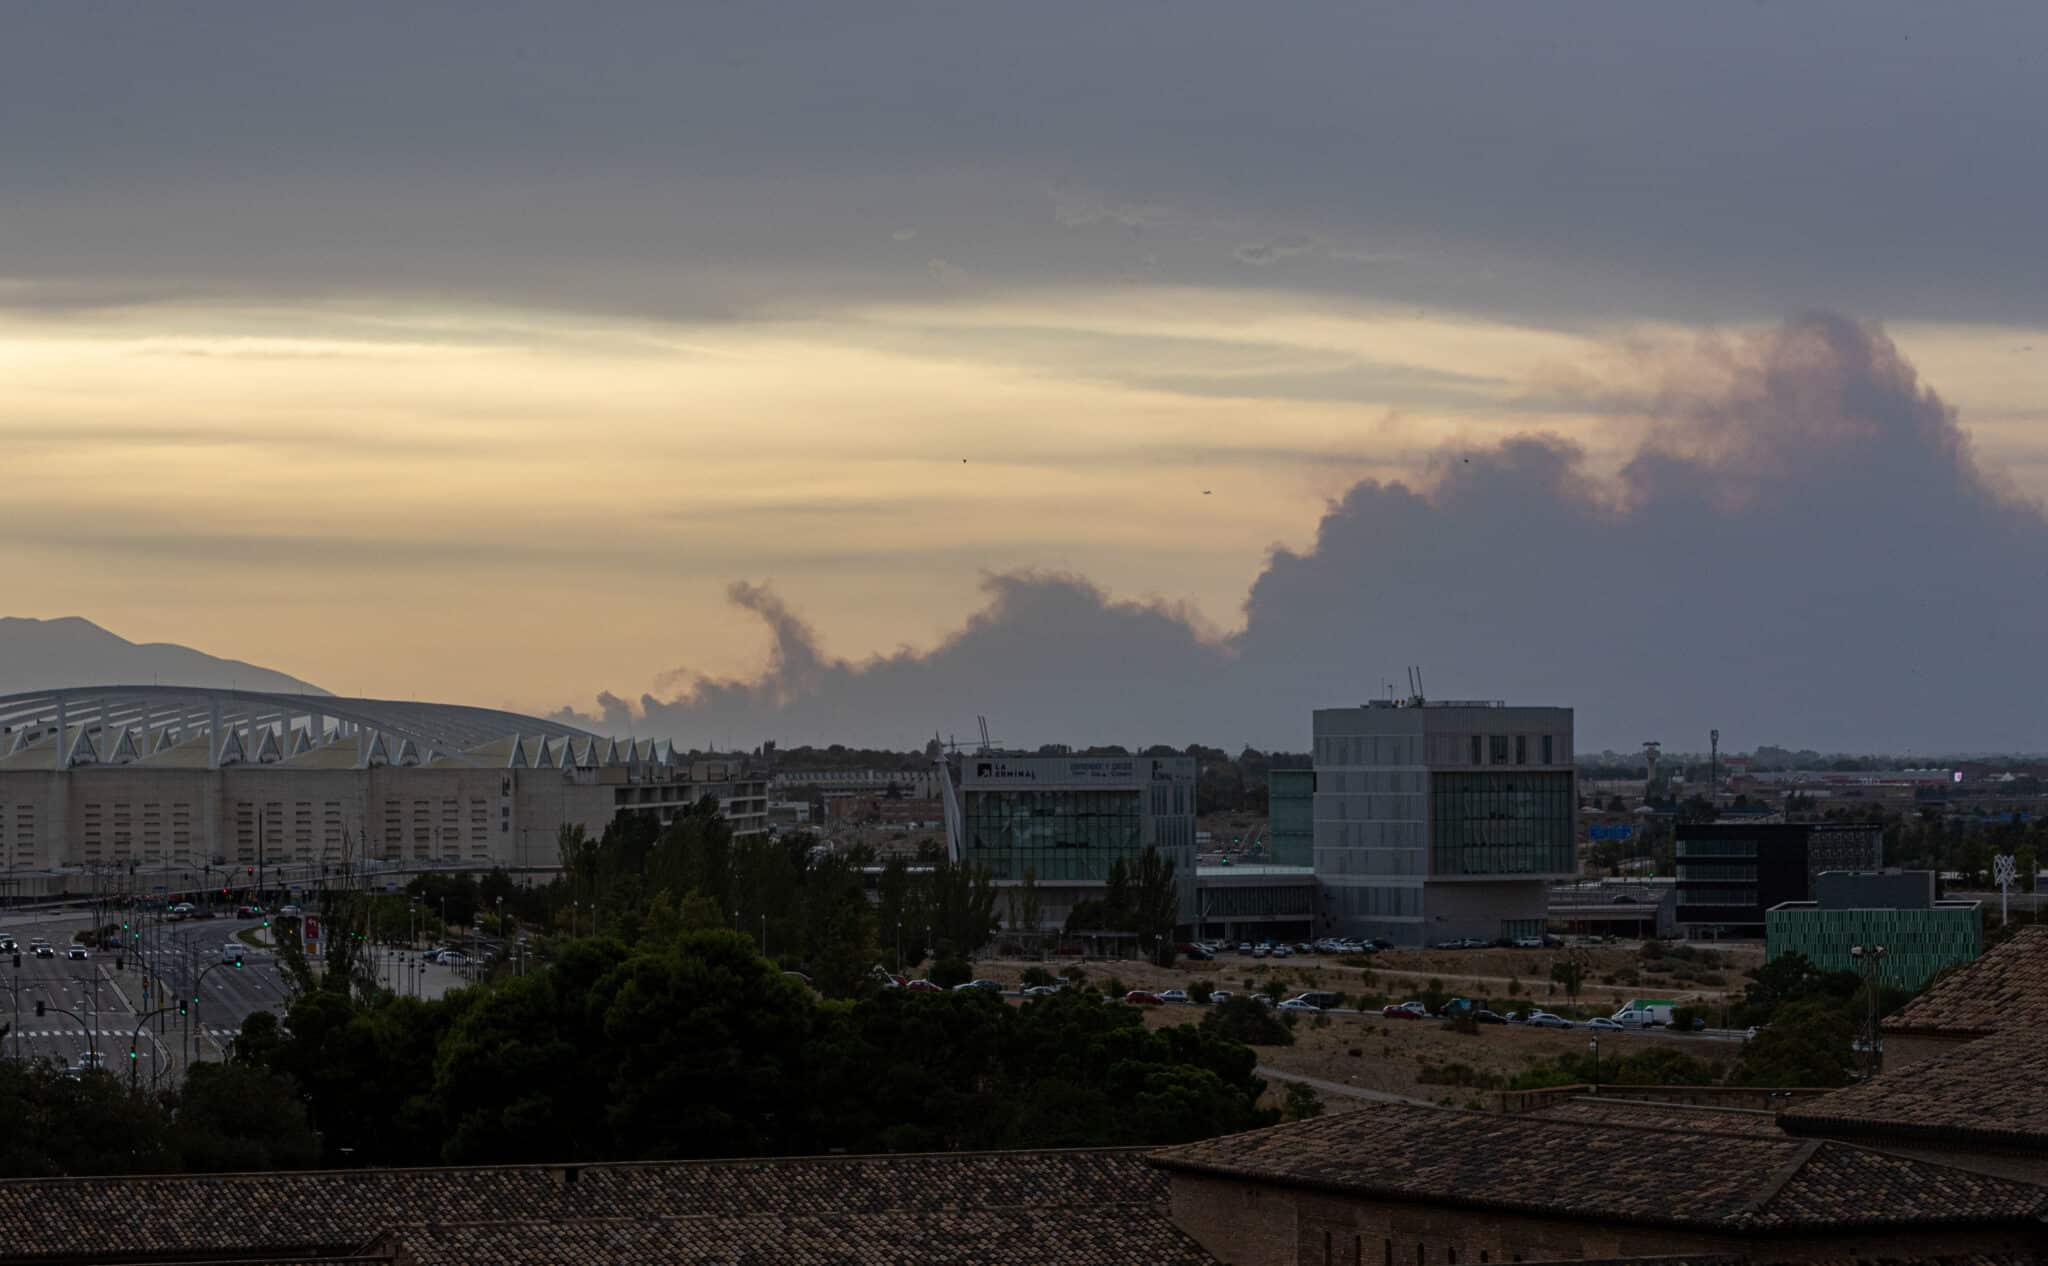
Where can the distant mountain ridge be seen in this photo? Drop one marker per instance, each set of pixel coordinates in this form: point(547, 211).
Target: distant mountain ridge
point(73, 651)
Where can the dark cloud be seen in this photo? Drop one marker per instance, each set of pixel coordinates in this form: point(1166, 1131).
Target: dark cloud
point(714, 160)
point(1801, 549)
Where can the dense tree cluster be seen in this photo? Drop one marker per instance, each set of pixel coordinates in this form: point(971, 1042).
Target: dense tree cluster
point(225, 1117)
point(689, 1043)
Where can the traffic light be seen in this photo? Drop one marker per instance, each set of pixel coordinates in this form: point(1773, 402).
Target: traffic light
point(39, 1010)
point(120, 964)
point(181, 1007)
point(238, 960)
point(131, 1052)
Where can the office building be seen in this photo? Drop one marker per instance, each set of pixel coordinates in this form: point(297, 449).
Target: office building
point(1442, 821)
point(171, 782)
point(1897, 910)
point(1730, 873)
point(1291, 816)
point(1060, 822)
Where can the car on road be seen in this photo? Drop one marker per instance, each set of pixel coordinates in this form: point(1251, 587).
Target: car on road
point(1244, 947)
point(921, 985)
point(1041, 991)
point(1545, 1020)
point(990, 986)
point(1138, 997)
point(75, 952)
point(1173, 995)
point(7, 945)
point(43, 949)
point(1605, 1025)
point(1219, 996)
point(1488, 1017)
point(1405, 1011)
point(1296, 1004)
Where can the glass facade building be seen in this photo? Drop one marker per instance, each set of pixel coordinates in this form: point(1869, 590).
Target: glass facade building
point(1060, 822)
point(1730, 873)
point(1896, 910)
point(1442, 821)
point(1291, 815)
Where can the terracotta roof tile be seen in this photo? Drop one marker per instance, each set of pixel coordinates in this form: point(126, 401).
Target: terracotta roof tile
point(1049, 1236)
point(338, 1211)
point(2008, 984)
point(1686, 1178)
point(1643, 1113)
point(1987, 1091)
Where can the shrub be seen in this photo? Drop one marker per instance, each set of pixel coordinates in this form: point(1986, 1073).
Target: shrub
point(1242, 1019)
point(1651, 951)
point(1075, 973)
point(1037, 976)
point(1199, 990)
point(1456, 1075)
point(1301, 1102)
point(948, 972)
point(1514, 987)
point(1113, 987)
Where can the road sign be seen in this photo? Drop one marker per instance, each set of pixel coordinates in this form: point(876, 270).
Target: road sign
point(1610, 832)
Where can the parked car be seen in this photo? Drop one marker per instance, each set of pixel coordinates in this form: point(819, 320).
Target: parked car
point(921, 985)
point(990, 986)
point(1488, 1017)
point(1259, 951)
point(1138, 997)
point(1296, 1004)
point(1244, 947)
point(1320, 999)
point(1604, 1025)
point(1281, 951)
point(1528, 942)
point(1173, 995)
point(75, 952)
point(1041, 991)
point(1200, 953)
point(1545, 1020)
point(1404, 1011)
point(1220, 996)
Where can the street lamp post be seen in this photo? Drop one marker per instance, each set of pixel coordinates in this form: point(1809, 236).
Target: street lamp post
point(1870, 958)
point(1593, 1045)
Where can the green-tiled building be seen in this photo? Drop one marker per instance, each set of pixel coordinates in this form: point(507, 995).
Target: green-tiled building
point(1894, 909)
point(1291, 815)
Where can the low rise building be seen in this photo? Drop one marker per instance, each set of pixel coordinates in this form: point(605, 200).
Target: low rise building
point(1854, 911)
point(1059, 823)
point(1730, 872)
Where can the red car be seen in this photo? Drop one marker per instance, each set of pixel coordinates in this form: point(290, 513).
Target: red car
point(923, 986)
point(1405, 1011)
point(1143, 999)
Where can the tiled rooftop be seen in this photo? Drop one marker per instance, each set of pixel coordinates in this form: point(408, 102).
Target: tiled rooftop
point(339, 1211)
point(1051, 1235)
point(1987, 1091)
point(1618, 1109)
point(1731, 1183)
point(2009, 983)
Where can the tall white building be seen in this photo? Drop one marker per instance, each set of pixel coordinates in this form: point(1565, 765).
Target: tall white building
point(1442, 821)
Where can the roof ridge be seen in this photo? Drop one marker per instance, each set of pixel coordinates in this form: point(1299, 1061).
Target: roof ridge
point(1782, 1175)
point(680, 1162)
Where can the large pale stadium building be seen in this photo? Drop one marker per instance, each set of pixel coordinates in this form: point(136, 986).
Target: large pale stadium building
point(185, 779)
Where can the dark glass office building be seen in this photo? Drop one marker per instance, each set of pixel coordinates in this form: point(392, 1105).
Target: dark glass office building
point(1729, 873)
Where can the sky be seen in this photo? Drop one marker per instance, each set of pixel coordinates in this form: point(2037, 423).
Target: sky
point(1122, 373)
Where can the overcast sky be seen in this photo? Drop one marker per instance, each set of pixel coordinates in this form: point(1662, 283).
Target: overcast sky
point(1148, 372)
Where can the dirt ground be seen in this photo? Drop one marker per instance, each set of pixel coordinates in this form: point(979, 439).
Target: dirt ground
point(1513, 977)
point(1422, 1059)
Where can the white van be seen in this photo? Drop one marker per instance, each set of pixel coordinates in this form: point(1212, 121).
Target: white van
point(1644, 1013)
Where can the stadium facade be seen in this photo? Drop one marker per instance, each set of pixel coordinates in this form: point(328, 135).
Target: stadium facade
point(171, 778)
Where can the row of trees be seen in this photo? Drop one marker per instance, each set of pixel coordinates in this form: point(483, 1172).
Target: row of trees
point(689, 1043)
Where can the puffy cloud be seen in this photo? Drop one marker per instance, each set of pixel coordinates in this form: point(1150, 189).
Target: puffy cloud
point(1801, 547)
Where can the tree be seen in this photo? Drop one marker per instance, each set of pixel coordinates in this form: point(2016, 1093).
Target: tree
point(1154, 904)
point(241, 1116)
point(1570, 973)
point(1807, 1044)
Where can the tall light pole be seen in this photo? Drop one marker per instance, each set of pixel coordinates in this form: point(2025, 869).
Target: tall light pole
point(1593, 1045)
